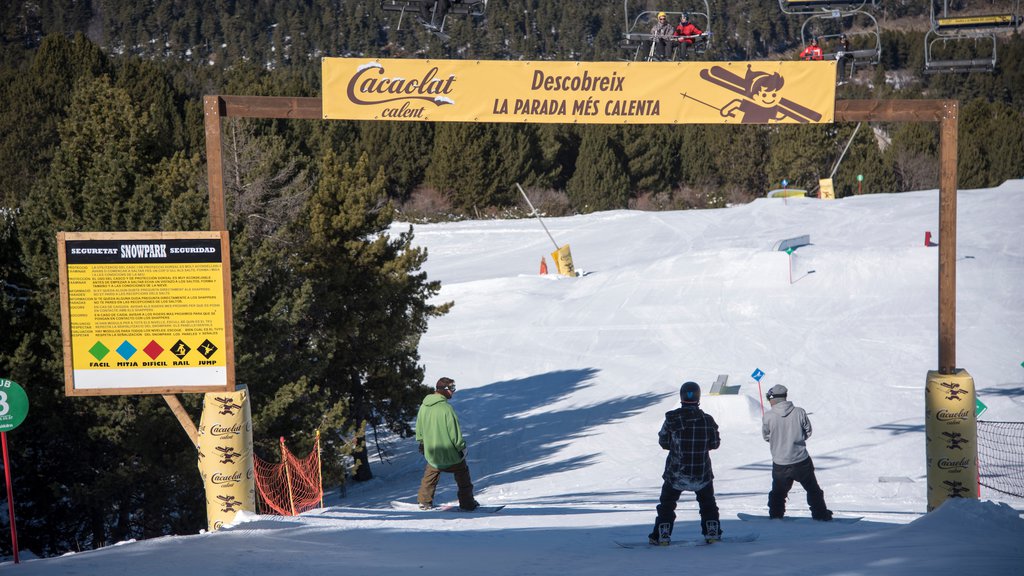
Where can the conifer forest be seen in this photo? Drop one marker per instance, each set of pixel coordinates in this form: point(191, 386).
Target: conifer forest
point(101, 129)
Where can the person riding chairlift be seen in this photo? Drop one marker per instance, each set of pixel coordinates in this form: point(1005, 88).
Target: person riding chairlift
point(686, 33)
point(812, 52)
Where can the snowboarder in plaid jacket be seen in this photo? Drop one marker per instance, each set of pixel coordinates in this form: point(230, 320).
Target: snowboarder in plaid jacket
point(689, 435)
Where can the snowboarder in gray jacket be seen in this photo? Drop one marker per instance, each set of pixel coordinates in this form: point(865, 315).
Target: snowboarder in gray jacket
point(786, 428)
point(689, 435)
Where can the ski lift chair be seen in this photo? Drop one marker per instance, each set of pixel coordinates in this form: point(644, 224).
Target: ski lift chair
point(973, 34)
point(638, 42)
point(472, 8)
point(866, 43)
point(806, 7)
point(866, 39)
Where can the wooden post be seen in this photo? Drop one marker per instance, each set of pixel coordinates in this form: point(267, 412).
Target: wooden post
point(945, 113)
point(288, 476)
point(948, 136)
point(320, 469)
point(214, 163)
point(183, 417)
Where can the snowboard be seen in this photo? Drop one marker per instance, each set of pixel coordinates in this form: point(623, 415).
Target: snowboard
point(446, 508)
point(765, 518)
point(690, 542)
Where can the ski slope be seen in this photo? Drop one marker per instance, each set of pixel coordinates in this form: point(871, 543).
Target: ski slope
point(563, 383)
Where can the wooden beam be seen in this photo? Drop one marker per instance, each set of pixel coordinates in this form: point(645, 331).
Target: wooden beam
point(214, 164)
point(273, 107)
point(183, 417)
point(890, 110)
point(948, 136)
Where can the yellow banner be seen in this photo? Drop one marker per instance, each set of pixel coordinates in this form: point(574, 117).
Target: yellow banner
point(579, 92)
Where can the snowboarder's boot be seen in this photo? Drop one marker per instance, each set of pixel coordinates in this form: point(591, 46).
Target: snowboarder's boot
point(713, 532)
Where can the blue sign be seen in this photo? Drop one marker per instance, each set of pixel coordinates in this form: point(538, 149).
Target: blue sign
point(757, 375)
point(785, 183)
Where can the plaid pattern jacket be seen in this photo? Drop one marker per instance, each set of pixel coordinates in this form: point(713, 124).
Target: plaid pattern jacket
point(689, 435)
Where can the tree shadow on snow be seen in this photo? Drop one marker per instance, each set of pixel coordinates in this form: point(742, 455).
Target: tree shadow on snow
point(513, 436)
point(1007, 392)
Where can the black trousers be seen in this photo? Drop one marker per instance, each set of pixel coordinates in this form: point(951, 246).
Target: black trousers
point(783, 477)
point(669, 499)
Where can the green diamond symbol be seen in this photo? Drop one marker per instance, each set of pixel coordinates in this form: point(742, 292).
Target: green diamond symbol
point(98, 350)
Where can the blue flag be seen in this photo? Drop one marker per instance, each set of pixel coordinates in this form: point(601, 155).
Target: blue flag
point(757, 375)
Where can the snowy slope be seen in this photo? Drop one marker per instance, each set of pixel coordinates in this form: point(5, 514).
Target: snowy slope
point(563, 383)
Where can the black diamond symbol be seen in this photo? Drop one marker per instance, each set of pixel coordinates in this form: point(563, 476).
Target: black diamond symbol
point(207, 349)
point(180, 349)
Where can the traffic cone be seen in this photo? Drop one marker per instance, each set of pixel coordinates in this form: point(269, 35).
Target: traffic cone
point(543, 266)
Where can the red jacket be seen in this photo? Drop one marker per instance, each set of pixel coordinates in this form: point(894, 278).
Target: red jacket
point(687, 29)
point(812, 52)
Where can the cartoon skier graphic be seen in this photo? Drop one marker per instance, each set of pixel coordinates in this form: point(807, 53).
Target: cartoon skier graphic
point(760, 102)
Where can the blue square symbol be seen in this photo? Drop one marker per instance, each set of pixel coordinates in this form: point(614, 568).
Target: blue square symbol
point(126, 350)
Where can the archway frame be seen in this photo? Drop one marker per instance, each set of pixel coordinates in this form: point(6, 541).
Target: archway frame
point(943, 112)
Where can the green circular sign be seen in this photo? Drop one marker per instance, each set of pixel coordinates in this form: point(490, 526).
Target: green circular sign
point(13, 405)
point(860, 177)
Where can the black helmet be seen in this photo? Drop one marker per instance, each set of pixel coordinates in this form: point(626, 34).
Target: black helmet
point(689, 393)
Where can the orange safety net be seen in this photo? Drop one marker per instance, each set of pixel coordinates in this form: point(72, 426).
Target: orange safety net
point(291, 487)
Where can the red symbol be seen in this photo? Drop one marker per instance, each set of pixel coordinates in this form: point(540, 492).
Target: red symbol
point(153, 349)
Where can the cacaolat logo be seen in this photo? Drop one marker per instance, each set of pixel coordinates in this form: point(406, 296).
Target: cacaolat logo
point(221, 431)
point(370, 86)
point(952, 465)
point(951, 416)
point(218, 478)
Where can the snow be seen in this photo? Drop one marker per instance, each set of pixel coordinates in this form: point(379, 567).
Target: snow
point(563, 383)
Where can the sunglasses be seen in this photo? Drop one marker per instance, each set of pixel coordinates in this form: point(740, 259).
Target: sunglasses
point(450, 388)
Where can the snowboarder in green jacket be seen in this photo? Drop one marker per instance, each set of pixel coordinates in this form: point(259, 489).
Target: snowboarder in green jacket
point(441, 443)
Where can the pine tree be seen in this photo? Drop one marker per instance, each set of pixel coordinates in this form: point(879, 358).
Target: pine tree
point(601, 180)
point(801, 154)
point(367, 301)
point(559, 147)
point(36, 98)
point(975, 132)
point(865, 159)
point(913, 155)
point(1006, 149)
point(518, 152)
point(462, 167)
point(98, 457)
point(740, 159)
point(400, 149)
point(653, 152)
